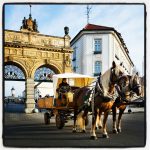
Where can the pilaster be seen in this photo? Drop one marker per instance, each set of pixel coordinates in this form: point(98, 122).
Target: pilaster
point(30, 102)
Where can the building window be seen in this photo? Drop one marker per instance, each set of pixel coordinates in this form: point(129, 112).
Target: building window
point(98, 68)
point(74, 59)
point(74, 54)
point(97, 46)
point(74, 69)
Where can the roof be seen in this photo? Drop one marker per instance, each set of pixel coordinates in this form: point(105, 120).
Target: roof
point(80, 79)
point(39, 34)
point(96, 27)
point(93, 27)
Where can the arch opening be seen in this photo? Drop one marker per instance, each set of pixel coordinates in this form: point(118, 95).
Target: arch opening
point(14, 84)
point(44, 81)
point(44, 74)
point(14, 71)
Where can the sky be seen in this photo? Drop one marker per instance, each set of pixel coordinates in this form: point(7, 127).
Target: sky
point(51, 19)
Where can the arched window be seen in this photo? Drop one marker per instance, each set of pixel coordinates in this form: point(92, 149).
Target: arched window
point(97, 68)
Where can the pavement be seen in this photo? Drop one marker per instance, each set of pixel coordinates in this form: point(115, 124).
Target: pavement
point(19, 108)
point(134, 109)
point(29, 130)
point(16, 112)
point(23, 118)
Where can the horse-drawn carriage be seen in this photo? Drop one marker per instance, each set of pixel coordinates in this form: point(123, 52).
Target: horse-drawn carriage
point(115, 91)
point(61, 105)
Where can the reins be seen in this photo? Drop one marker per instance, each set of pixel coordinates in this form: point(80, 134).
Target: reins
point(89, 85)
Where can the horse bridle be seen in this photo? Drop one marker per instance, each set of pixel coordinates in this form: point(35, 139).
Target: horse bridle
point(112, 81)
point(132, 87)
point(135, 86)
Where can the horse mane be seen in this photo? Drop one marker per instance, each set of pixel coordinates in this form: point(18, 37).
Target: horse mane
point(106, 80)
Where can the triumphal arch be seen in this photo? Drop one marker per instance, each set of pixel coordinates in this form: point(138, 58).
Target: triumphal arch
point(28, 50)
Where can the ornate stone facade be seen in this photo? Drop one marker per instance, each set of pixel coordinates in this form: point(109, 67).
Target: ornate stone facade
point(29, 50)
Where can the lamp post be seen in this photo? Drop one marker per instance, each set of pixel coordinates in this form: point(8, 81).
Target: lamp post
point(66, 30)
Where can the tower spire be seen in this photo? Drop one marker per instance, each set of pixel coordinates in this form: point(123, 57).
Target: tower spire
point(88, 9)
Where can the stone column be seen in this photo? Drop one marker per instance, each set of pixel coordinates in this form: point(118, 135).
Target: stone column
point(30, 102)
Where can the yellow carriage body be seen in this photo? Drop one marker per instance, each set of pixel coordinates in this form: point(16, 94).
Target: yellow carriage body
point(46, 102)
point(74, 80)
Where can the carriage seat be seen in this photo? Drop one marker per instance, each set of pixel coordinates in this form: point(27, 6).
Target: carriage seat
point(64, 99)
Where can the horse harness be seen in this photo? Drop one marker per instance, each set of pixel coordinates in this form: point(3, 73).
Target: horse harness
point(121, 89)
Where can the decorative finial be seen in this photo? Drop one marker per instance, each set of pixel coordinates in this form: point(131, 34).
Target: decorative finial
point(30, 12)
point(29, 24)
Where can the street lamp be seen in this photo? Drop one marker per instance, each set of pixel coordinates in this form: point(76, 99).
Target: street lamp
point(66, 30)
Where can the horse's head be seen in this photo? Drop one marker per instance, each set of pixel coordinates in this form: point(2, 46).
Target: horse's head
point(135, 84)
point(124, 86)
point(115, 73)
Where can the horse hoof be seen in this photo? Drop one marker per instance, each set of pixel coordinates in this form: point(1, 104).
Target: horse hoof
point(83, 131)
point(93, 137)
point(105, 136)
point(119, 130)
point(115, 131)
point(100, 127)
point(74, 131)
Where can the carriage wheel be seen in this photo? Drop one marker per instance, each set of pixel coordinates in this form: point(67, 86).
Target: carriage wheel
point(47, 118)
point(60, 121)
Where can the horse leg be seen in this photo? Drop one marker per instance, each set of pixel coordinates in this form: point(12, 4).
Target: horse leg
point(80, 122)
point(105, 134)
point(75, 119)
point(84, 118)
point(114, 111)
point(98, 121)
point(121, 111)
point(93, 134)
